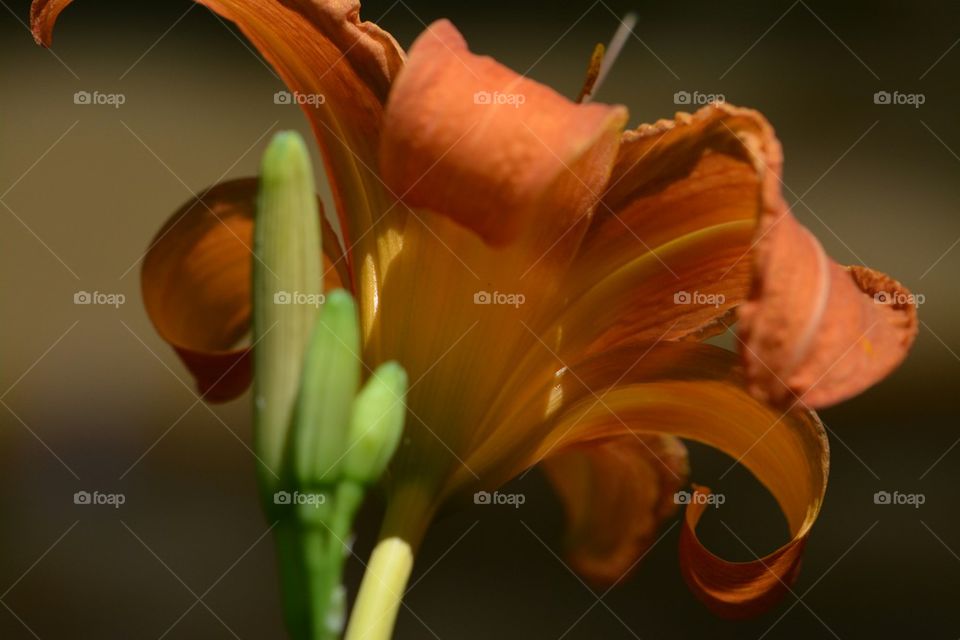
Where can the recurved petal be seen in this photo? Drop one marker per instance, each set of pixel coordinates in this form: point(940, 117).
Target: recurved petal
point(338, 68)
point(616, 493)
point(196, 281)
point(496, 152)
point(693, 391)
point(813, 331)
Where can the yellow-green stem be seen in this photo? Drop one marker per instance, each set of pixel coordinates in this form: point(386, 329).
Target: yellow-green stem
point(381, 591)
point(384, 584)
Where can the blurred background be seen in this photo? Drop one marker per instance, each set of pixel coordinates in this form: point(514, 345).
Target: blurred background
point(93, 400)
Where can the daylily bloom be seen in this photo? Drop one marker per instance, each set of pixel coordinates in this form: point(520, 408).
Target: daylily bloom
point(546, 279)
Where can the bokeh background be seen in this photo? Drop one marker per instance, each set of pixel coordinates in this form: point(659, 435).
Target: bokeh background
point(93, 400)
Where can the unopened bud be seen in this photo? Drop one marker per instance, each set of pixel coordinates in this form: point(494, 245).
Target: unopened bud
point(331, 375)
point(286, 260)
point(377, 424)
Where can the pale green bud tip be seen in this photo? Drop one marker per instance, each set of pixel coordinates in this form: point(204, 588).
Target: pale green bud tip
point(286, 158)
point(377, 423)
point(340, 307)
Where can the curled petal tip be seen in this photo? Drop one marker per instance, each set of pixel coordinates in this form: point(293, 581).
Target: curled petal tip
point(196, 281)
point(735, 590)
point(694, 392)
point(43, 15)
point(813, 332)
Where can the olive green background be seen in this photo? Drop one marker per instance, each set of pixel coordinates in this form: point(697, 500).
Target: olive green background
point(93, 400)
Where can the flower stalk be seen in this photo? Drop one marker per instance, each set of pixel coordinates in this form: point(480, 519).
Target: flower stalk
point(385, 579)
point(381, 592)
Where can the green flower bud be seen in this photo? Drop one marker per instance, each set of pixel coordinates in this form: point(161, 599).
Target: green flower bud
point(331, 376)
point(377, 424)
point(286, 271)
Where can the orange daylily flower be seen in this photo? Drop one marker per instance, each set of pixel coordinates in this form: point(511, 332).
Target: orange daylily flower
point(459, 182)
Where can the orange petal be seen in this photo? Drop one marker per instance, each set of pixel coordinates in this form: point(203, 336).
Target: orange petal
point(196, 285)
point(616, 493)
point(667, 255)
point(319, 49)
point(676, 219)
point(642, 301)
point(688, 390)
point(679, 176)
point(499, 154)
point(813, 331)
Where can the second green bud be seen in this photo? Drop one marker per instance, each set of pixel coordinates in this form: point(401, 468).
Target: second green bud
point(331, 375)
